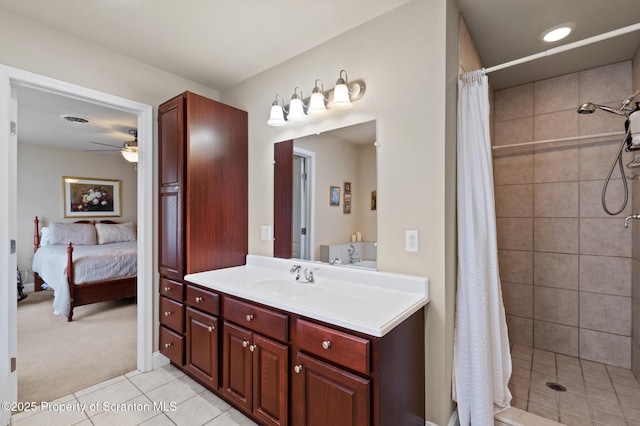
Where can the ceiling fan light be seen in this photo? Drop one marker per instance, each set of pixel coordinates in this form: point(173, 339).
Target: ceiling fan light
point(130, 154)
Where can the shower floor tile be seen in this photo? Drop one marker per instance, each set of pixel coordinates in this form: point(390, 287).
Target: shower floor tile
point(596, 394)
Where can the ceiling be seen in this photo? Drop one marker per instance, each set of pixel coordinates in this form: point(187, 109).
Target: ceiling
point(190, 38)
point(505, 30)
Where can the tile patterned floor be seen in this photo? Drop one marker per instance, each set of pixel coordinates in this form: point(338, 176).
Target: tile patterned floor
point(130, 399)
point(596, 395)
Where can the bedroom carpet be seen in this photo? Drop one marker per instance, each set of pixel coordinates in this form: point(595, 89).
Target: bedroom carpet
point(56, 358)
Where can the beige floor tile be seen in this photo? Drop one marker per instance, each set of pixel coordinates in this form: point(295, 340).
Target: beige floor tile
point(521, 372)
point(176, 391)
point(568, 360)
point(543, 369)
point(522, 348)
point(572, 377)
point(544, 411)
point(602, 395)
point(132, 412)
point(50, 417)
point(629, 401)
point(625, 380)
point(569, 367)
point(631, 413)
point(592, 365)
point(543, 399)
point(525, 356)
point(570, 419)
point(599, 383)
point(573, 387)
point(521, 363)
point(99, 386)
point(605, 407)
point(607, 419)
point(626, 390)
point(519, 403)
point(231, 418)
point(156, 378)
point(620, 371)
point(596, 374)
point(115, 393)
point(520, 381)
point(159, 420)
point(198, 410)
point(522, 393)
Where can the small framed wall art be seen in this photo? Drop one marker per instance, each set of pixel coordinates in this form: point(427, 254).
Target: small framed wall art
point(334, 195)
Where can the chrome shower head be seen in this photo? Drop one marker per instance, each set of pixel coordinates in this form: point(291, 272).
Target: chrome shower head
point(587, 108)
point(590, 107)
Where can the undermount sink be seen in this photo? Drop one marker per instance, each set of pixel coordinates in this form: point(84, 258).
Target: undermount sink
point(284, 288)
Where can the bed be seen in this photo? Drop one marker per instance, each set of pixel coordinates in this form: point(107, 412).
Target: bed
point(85, 262)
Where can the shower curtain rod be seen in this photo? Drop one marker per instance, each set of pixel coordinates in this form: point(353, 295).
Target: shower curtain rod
point(566, 47)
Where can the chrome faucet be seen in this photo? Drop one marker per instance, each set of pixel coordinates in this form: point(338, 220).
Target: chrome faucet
point(335, 261)
point(307, 273)
point(633, 216)
point(352, 250)
point(295, 269)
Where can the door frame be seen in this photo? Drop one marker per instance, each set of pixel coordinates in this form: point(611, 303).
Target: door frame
point(310, 163)
point(20, 78)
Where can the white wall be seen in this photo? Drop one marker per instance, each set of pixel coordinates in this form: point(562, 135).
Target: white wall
point(40, 171)
point(401, 56)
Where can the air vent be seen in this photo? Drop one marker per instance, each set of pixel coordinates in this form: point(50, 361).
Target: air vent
point(73, 119)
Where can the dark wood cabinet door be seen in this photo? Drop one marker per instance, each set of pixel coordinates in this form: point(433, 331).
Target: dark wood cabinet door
point(236, 365)
point(282, 199)
point(171, 177)
point(202, 346)
point(270, 372)
point(326, 395)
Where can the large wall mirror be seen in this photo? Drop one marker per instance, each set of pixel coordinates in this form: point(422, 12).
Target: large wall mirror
point(325, 197)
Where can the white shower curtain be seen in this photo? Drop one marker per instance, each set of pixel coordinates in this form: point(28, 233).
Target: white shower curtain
point(482, 362)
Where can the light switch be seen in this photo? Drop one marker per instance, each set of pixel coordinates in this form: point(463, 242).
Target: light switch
point(265, 233)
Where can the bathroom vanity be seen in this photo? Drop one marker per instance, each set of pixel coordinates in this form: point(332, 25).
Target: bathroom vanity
point(345, 349)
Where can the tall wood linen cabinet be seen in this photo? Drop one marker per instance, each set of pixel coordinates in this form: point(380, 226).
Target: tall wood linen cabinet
point(203, 213)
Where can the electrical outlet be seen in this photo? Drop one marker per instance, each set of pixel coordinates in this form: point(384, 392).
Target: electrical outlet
point(411, 241)
point(265, 233)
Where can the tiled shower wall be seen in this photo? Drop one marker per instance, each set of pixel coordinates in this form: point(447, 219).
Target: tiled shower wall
point(565, 264)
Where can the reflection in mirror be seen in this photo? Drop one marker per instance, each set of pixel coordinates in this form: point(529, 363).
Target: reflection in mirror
point(325, 197)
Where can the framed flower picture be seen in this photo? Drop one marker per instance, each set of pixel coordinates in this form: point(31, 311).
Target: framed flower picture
point(89, 197)
point(334, 195)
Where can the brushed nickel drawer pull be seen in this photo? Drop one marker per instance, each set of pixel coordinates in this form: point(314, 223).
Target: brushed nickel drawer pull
point(326, 344)
point(250, 317)
point(167, 345)
point(199, 299)
point(211, 328)
point(167, 313)
point(298, 369)
point(253, 347)
point(245, 343)
point(167, 289)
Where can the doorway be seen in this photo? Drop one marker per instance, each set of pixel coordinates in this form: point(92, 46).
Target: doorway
point(301, 218)
point(19, 78)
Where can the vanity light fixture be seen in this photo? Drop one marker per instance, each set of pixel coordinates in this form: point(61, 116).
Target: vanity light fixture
point(296, 107)
point(340, 97)
point(277, 113)
point(316, 102)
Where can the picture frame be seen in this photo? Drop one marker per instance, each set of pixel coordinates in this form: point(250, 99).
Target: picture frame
point(347, 198)
point(346, 208)
point(91, 197)
point(347, 187)
point(334, 195)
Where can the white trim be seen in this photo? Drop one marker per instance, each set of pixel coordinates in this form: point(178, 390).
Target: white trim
point(144, 113)
point(566, 47)
point(311, 156)
point(159, 360)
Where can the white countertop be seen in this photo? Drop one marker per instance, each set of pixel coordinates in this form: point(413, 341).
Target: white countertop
point(362, 300)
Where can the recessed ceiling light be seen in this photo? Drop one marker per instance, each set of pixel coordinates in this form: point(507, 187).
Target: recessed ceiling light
point(558, 32)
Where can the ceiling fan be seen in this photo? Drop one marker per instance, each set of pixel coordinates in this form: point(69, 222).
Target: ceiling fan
point(129, 149)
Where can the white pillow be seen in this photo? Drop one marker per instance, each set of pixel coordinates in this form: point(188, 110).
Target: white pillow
point(116, 232)
point(80, 234)
point(44, 237)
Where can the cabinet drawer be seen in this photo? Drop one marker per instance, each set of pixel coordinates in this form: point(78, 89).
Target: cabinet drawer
point(203, 300)
point(172, 314)
point(264, 321)
point(341, 348)
point(171, 289)
point(172, 345)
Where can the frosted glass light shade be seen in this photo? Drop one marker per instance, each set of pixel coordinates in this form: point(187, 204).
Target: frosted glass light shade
point(316, 104)
point(296, 110)
point(341, 97)
point(130, 156)
point(277, 116)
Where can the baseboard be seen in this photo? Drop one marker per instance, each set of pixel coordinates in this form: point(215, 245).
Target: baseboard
point(158, 360)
